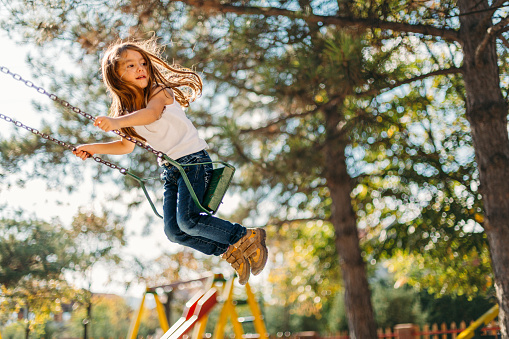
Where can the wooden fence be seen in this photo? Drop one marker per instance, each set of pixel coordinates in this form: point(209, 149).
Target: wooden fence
point(410, 331)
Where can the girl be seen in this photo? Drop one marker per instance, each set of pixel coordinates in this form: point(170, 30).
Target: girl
point(147, 95)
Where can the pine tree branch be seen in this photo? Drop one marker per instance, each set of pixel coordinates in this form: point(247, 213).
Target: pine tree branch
point(504, 40)
point(280, 223)
point(237, 84)
point(276, 121)
point(239, 150)
point(345, 22)
point(489, 11)
point(333, 102)
point(491, 33)
point(451, 70)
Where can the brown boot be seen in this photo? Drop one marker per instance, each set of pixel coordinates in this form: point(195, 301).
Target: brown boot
point(237, 260)
point(252, 245)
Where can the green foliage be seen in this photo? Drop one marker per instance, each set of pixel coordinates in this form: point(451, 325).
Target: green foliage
point(33, 258)
point(98, 237)
point(35, 255)
point(15, 330)
point(468, 275)
point(111, 317)
point(420, 189)
point(336, 318)
point(397, 306)
point(451, 308)
point(33, 249)
point(305, 274)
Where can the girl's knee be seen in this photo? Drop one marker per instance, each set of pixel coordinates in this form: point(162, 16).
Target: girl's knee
point(188, 223)
point(171, 236)
point(172, 231)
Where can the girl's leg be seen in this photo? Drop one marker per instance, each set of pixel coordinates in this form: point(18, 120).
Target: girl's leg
point(171, 227)
point(189, 217)
point(240, 247)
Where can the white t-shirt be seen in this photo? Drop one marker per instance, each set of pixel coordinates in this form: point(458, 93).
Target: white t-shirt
point(173, 133)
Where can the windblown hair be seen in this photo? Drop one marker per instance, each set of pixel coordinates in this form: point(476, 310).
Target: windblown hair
point(185, 83)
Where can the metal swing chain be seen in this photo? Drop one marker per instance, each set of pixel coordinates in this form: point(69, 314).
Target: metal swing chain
point(77, 110)
point(61, 143)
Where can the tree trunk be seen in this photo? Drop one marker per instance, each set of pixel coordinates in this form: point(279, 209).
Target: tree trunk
point(358, 306)
point(86, 321)
point(167, 306)
point(486, 110)
point(27, 329)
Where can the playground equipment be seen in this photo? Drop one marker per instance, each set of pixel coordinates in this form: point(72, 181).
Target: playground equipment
point(197, 309)
point(485, 319)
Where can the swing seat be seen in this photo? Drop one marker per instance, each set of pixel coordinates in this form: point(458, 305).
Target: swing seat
point(219, 183)
point(221, 179)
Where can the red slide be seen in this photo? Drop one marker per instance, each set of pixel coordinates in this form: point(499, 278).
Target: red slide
point(196, 308)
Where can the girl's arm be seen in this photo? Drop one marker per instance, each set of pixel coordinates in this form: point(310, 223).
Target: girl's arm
point(122, 146)
point(141, 117)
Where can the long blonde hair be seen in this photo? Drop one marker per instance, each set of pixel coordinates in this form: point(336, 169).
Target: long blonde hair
point(185, 83)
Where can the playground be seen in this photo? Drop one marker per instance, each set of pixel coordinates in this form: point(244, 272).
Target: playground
point(250, 169)
point(214, 292)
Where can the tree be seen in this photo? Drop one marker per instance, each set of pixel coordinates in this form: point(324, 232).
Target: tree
point(111, 317)
point(305, 276)
point(36, 254)
point(99, 239)
point(425, 206)
point(474, 26)
point(33, 258)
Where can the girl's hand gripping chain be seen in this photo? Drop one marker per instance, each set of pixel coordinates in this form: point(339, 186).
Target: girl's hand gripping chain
point(107, 124)
point(83, 152)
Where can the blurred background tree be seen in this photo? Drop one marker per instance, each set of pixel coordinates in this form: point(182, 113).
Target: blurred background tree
point(34, 256)
point(110, 318)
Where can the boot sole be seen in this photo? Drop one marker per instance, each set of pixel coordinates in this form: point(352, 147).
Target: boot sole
point(263, 255)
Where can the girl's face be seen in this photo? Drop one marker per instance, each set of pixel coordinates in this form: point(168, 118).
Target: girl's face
point(133, 69)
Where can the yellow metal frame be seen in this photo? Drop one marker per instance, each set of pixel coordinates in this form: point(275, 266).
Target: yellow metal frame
point(228, 311)
point(135, 325)
point(485, 319)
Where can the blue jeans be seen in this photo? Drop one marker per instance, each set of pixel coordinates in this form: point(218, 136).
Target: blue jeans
point(184, 223)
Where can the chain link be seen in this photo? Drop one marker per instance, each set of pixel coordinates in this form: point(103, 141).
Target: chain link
point(77, 110)
point(61, 143)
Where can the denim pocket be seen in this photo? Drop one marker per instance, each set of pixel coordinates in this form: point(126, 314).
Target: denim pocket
point(204, 170)
point(170, 175)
